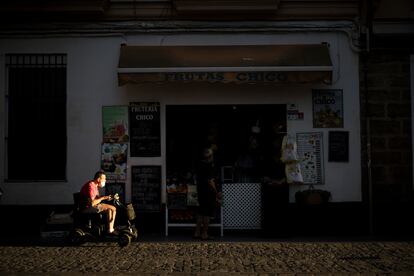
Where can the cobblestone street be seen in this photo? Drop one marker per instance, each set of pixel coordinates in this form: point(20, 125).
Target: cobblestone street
point(198, 258)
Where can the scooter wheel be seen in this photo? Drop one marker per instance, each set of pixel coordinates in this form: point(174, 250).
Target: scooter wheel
point(124, 239)
point(76, 236)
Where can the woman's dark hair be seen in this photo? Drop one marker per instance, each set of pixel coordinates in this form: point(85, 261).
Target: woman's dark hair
point(98, 174)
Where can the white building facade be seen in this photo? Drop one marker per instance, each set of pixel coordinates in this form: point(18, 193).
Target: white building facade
point(92, 83)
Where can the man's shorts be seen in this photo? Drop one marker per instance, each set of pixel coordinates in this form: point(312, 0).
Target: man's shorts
point(93, 209)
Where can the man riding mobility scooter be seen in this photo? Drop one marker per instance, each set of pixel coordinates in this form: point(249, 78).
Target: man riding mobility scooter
point(93, 226)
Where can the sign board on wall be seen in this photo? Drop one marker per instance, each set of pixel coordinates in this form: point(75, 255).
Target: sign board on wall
point(310, 150)
point(327, 108)
point(115, 124)
point(114, 160)
point(338, 146)
point(146, 187)
point(145, 129)
point(293, 113)
point(227, 77)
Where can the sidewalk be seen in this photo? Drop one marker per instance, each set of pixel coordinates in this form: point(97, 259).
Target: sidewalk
point(180, 255)
point(24, 252)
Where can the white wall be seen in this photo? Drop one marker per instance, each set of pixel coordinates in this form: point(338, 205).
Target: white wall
point(91, 64)
point(92, 83)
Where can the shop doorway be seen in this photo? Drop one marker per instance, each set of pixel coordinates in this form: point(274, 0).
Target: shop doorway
point(245, 138)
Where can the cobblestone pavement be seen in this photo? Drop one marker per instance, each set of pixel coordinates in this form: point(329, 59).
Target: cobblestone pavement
point(201, 258)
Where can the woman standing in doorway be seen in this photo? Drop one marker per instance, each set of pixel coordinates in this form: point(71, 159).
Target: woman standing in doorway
point(207, 194)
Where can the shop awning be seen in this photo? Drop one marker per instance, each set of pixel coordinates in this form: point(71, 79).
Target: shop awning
point(240, 64)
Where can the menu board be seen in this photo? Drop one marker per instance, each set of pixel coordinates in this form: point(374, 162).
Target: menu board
point(338, 146)
point(145, 129)
point(310, 150)
point(146, 187)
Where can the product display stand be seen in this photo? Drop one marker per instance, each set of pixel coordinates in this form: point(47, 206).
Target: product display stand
point(168, 224)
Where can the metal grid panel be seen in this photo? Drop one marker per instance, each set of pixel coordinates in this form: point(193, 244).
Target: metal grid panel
point(242, 206)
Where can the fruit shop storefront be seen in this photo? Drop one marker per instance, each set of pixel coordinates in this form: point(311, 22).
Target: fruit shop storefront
point(144, 110)
point(244, 103)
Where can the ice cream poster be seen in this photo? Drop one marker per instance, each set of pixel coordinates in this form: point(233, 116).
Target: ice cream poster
point(115, 124)
point(327, 108)
point(114, 160)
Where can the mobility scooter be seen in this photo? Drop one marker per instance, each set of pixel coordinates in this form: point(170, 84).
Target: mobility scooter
point(93, 227)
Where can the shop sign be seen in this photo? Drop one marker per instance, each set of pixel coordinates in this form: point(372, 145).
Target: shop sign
point(227, 77)
point(145, 129)
point(327, 108)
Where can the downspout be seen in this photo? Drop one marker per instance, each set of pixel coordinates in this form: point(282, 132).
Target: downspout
point(368, 137)
point(368, 30)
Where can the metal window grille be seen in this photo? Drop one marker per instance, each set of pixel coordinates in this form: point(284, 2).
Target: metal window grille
point(36, 117)
point(36, 60)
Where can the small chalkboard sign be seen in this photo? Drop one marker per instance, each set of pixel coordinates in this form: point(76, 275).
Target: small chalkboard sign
point(338, 146)
point(145, 129)
point(146, 188)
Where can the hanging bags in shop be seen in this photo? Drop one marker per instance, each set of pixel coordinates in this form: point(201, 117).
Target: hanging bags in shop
point(291, 159)
point(289, 150)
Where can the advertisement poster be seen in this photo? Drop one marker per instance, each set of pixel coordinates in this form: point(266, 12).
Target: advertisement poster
point(115, 124)
point(310, 150)
point(327, 108)
point(114, 160)
point(145, 129)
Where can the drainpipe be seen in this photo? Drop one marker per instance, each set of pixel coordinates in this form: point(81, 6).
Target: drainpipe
point(368, 30)
point(368, 137)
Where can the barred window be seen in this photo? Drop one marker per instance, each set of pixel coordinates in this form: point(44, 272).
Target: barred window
point(36, 117)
